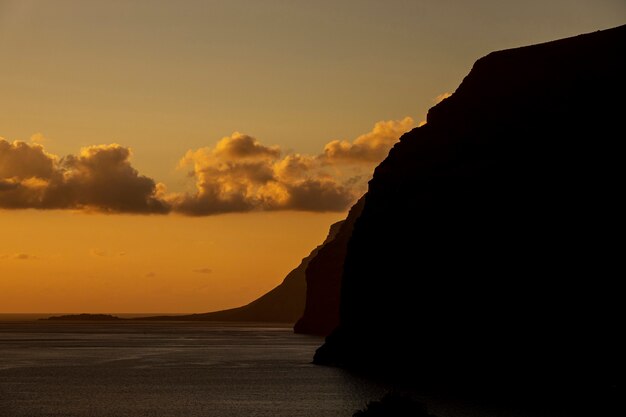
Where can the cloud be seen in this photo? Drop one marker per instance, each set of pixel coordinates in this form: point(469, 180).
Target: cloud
point(8, 185)
point(202, 271)
point(371, 147)
point(318, 195)
point(20, 161)
point(241, 174)
point(238, 174)
point(23, 256)
point(100, 178)
point(19, 256)
point(240, 146)
point(441, 97)
point(38, 138)
point(104, 254)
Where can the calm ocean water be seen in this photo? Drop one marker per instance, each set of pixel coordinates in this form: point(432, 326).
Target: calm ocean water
point(176, 369)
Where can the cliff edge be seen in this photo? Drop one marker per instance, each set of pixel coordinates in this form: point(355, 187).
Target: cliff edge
point(323, 280)
point(487, 246)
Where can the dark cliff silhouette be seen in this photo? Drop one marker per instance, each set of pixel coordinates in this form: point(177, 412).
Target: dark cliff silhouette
point(487, 250)
point(323, 280)
point(283, 304)
point(394, 404)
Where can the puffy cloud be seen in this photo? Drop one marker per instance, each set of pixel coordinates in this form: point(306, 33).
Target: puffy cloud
point(238, 174)
point(294, 166)
point(100, 178)
point(371, 147)
point(38, 138)
point(241, 174)
point(19, 161)
point(18, 193)
point(244, 147)
point(229, 178)
point(318, 195)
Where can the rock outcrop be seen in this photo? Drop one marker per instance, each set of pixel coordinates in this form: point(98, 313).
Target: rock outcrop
point(488, 246)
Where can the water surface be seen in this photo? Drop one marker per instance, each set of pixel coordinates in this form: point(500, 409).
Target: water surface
point(179, 369)
point(168, 369)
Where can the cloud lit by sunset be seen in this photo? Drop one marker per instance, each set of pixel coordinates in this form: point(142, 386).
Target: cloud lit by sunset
point(99, 178)
point(239, 174)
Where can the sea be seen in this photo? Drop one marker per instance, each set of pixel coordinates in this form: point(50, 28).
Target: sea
point(181, 369)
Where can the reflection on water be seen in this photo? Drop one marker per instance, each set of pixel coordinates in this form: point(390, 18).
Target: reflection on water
point(186, 369)
point(168, 369)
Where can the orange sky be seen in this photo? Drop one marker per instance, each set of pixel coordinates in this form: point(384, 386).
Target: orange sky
point(161, 156)
point(62, 261)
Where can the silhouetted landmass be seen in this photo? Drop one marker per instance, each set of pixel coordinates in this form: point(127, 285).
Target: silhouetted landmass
point(323, 280)
point(486, 252)
point(283, 304)
point(84, 317)
point(394, 404)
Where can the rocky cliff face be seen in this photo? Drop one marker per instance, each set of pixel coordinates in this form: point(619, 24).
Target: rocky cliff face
point(323, 280)
point(487, 248)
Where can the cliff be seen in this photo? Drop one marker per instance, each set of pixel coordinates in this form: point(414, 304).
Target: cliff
point(323, 280)
point(283, 304)
point(487, 246)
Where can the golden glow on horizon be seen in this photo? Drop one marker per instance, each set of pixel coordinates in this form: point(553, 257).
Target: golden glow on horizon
point(59, 261)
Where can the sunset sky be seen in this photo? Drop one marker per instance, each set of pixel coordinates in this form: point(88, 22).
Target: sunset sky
point(183, 156)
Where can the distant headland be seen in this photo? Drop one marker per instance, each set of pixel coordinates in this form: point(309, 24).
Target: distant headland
point(84, 317)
